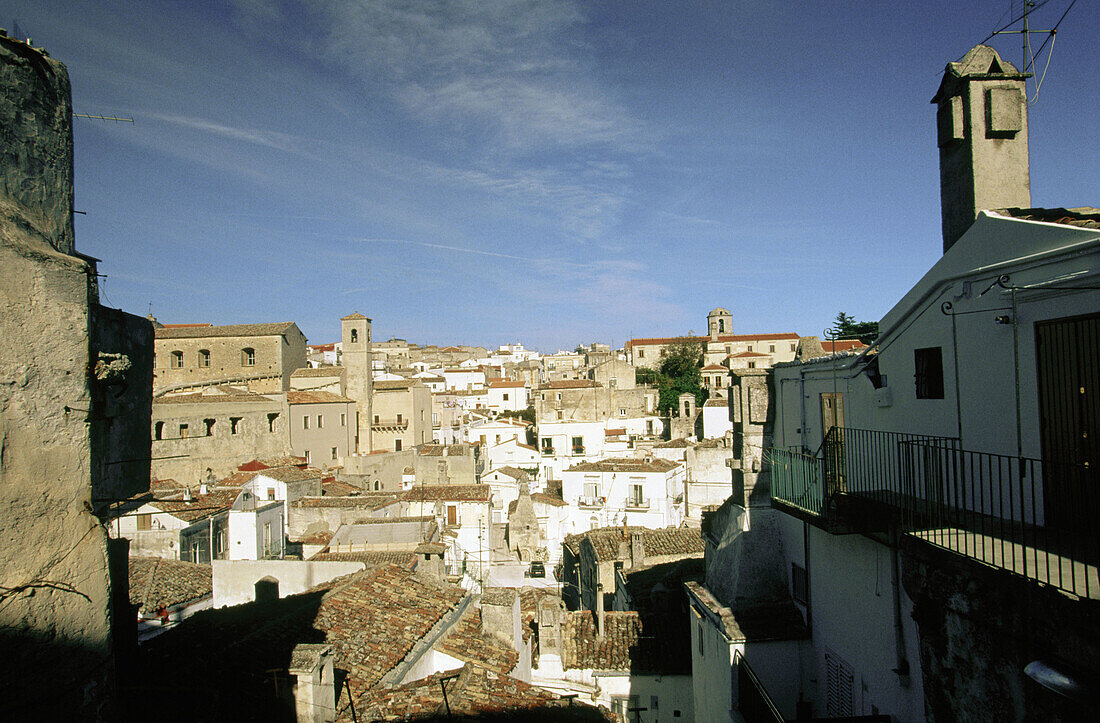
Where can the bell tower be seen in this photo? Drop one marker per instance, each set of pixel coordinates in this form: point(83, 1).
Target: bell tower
point(719, 321)
point(355, 341)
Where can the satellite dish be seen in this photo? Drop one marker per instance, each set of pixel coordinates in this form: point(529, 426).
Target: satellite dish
point(1054, 680)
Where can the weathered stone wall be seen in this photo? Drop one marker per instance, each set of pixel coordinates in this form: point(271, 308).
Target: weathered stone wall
point(276, 357)
point(186, 459)
point(55, 588)
point(304, 521)
point(980, 626)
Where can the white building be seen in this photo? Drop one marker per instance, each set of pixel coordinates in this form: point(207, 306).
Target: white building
point(624, 491)
point(465, 511)
point(566, 443)
point(505, 395)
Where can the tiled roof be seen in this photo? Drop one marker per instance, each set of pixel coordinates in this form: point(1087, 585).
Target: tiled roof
point(450, 493)
point(354, 315)
point(466, 642)
point(842, 344)
point(678, 443)
point(629, 644)
point(199, 507)
point(227, 395)
point(705, 339)
point(319, 372)
point(1083, 217)
point(193, 332)
point(436, 450)
point(336, 488)
point(539, 497)
point(405, 560)
point(366, 501)
point(714, 368)
point(626, 464)
point(513, 472)
point(396, 384)
point(716, 402)
point(287, 460)
point(472, 693)
point(155, 582)
point(506, 385)
point(746, 355)
point(607, 542)
point(315, 397)
point(292, 474)
point(613, 432)
point(571, 384)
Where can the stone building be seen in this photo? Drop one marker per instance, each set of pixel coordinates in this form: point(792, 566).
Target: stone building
point(355, 339)
point(590, 400)
point(321, 426)
point(261, 356)
point(402, 415)
point(74, 417)
point(215, 429)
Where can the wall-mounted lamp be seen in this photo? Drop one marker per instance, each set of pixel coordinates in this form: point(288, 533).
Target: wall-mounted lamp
point(1002, 319)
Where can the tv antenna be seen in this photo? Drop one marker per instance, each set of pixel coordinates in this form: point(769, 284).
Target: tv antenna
point(117, 119)
point(1021, 14)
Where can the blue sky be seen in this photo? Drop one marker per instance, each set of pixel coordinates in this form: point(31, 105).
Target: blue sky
point(544, 171)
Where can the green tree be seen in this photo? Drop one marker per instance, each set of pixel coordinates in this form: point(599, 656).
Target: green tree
point(678, 373)
point(846, 327)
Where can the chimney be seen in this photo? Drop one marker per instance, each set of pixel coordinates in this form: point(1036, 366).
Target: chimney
point(186, 494)
point(314, 688)
point(981, 122)
point(599, 611)
point(500, 616)
point(637, 549)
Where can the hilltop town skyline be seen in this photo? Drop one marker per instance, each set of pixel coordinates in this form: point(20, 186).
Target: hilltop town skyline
point(549, 172)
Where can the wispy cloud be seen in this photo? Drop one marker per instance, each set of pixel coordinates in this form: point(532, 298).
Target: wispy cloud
point(255, 136)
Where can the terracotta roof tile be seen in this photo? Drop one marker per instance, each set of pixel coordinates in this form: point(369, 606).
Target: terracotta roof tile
point(198, 507)
point(192, 332)
point(319, 372)
point(366, 500)
point(315, 397)
point(626, 464)
point(456, 493)
point(466, 642)
point(405, 560)
point(156, 582)
point(571, 384)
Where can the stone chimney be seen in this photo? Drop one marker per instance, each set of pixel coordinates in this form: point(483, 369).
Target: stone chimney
point(550, 613)
point(315, 689)
point(981, 122)
point(637, 549)
point(429, 561)
point(599, 611)
point(500, 616)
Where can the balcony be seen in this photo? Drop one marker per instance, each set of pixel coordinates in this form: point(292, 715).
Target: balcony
point(578, 450)
point(590, 503)
point(1035, 518)
point(390, 424)
point(547, 451)
point(636, 503)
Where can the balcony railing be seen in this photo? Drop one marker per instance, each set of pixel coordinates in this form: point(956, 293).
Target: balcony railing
point(636, 503)
point(1036, 518)
point(590, 501)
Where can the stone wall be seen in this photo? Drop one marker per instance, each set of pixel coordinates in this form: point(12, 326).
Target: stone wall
point(276, 358)
point(980, 626)
point(72, 401)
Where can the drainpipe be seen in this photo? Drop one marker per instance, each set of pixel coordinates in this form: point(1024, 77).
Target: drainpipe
point(902, 669)
point(599, 611)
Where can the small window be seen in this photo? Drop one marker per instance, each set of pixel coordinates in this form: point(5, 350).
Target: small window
point(320, 422)
point(794, 347)
point(376, 419)
point(234, 425)
point(622, 412)
point(376, 486)
point(306, 455)
point(771, 347)
point(354, 336)
point(177, 360)
point(204, 357)
point(799, 583)
point(397, 445)
point(209, 424)
point(343, 420)
point(928, 364)
point(641, 353)
point(184, 431)
point(158, 430)
point(399, 419)
point(506, 396)
point(305, 422)
point(248, 357)
point(752, 365)
point(271, 421)
point(144, 522)
point(334, 454)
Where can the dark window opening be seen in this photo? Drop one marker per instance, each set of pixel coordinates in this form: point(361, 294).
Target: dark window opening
point(271, 421)
point(209, 424)
point(928, 365)
point(248, 357)
point(800, 583)
point(234, 425)
point(204, 358)
point(354, 336)
point(158, 430)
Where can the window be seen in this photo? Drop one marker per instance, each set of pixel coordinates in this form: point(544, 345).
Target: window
point(354, 336)
point(376, 486)
point(452, 514)
point(593, 522)
point(144, 522)
point(267, 539)
point(561, 414)
point(248, 357)
point(271, 421)
point(641, 353)
point(176, 362)
point(204, 357)
point(799, 583)
point(397, 445)
point(578, 445)
point(235, 425)
point(547, 445)
point(270, 493)
point(771, 347)
point(729, 349)
point(839, 686)
point(158, 430)
point(591, 489)
point(752, 365)
point(794, 347)
point(343, 420)
point(928, 364)
point(183, 431)
point(306, 455)
point(506, 396)
point(334, 454)
point(305, 422)
point(320, 422)
point(209, 424)
point(559, 396)
point(399, 419)
point(636, 496)
point(622, 412)
point(376, 419)
point(750, 347)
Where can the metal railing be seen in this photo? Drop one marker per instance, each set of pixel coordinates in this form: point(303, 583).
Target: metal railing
point(590, 501)
point(636, 503)
point(753, 701)
point(1032, 517)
